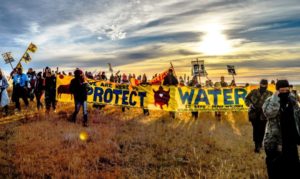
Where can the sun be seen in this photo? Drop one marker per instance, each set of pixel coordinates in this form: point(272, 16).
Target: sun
point(214, 42)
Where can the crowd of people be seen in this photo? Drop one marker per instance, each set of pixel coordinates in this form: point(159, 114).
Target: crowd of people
point(274, 117)
point(33, 85)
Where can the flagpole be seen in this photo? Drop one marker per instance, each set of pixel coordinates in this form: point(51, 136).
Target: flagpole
point(173, 68)
point(8, 58)
point(23, 56)
point(199, 72)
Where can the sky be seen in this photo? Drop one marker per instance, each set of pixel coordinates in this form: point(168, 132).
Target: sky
point(261, 38)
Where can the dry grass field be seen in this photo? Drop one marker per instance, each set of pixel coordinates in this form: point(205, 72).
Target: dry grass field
point(129, 145)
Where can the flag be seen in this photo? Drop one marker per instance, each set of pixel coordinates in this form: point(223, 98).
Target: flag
point(26, 57)
point(134, 82)
point(110, 68)
point(19, 65)
point(231, 70)
point(198, 68)
point(172, 67)
point(160, 77)
point(32, 48)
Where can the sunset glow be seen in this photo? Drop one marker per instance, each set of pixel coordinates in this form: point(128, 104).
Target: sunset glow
point(214, 42)
point(260, 37)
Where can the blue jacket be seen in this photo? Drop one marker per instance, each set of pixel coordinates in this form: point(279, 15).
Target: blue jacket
point(20, 80)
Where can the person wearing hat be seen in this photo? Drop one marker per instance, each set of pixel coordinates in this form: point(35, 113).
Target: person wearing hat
point(282, 133)
point(79, 88)
point(255, 100)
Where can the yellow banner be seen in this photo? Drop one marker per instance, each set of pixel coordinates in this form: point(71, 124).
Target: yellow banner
point(158, 97)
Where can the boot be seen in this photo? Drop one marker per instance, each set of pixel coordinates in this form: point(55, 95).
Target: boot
point(146, 112)
point(172, 115)
point(85, 120)
point(73, 119)
point(6, 110)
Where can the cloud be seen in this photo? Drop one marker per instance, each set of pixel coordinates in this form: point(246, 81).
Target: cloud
point(133, 32)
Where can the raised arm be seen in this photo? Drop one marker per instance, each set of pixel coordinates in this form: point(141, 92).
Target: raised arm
point(271, 106)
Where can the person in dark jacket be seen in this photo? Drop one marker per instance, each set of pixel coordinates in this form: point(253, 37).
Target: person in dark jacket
point(79, 88)
point(255, 100)
point(103, 76)
point(282, 133)
point(20, 83)
point(39, 90)
point(50, 90)
point(223, 82)
point(171, 80)
point(31, 81)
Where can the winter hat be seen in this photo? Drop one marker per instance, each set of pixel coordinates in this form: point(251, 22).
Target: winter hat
point(263, 82)
point(282, 84)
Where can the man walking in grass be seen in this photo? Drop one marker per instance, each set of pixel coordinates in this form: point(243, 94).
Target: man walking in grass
point(255, 100)
point(79, 88)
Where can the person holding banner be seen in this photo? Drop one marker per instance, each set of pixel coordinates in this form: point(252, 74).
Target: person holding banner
point(223, 82)
point(181, 81)
point(194, 83)
point(255, 100)
point(103, 76)
point(124, 81)
point(232, 84)
point(282, 133)
point(79, 88)
point(144, 82)
point(4, 99)
point(220, 84)
point(170, 80)
point(20, 82)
